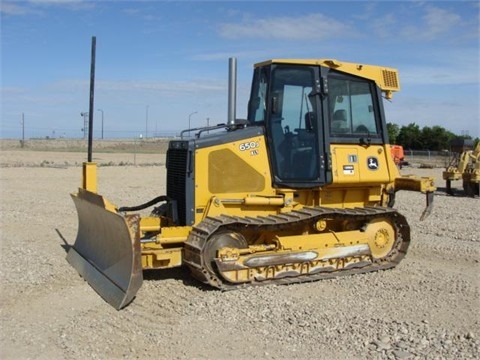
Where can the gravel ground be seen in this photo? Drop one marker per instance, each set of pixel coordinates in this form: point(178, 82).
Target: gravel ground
point(425, 308)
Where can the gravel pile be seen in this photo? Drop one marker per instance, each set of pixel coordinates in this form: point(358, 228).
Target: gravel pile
point(425, 308)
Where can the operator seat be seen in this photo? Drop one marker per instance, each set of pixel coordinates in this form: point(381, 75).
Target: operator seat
point(362, 129)
point(339, 122)
point(304, 162)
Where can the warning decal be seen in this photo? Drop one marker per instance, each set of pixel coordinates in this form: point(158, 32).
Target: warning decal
point(348, 170)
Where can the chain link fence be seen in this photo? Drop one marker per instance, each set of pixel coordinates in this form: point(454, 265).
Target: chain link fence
point(428, 159)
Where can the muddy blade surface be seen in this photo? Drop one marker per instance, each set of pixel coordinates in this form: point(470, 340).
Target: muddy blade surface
point(106, 253)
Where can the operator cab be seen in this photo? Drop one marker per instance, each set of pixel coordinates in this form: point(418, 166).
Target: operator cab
point(305, 107)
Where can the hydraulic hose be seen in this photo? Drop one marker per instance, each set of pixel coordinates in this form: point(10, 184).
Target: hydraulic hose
point(144, 206)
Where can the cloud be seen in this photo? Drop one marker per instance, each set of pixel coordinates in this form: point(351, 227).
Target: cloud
point(420, 22)
point(182, 87)
point(430, 75)
point(435, 23)
point(459, 67)
point(439, 21)
point(11, 90)
point(59, 2)
point(134, 87)
point(244, 55)
point(449, 114)
point(284, 27)
point(384, 26)
point(21, 8)
point(16, 9)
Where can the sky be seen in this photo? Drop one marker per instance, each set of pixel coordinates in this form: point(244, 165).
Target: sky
point(162, 66)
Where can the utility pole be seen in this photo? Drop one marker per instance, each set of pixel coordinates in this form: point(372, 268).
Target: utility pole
point(189, 118)
point(146, 123)
point(102, 121)
point(85, 123)
point(23, 130)
point(91, 108)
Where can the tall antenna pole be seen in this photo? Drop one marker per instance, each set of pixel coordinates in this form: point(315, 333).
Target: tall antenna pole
point(23, 129)
point(91, 107)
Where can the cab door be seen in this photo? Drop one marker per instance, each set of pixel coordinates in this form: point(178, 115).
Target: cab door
point(357, 131)
point(292, 117)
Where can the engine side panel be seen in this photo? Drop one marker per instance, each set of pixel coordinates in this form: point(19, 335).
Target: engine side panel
point(228, 173)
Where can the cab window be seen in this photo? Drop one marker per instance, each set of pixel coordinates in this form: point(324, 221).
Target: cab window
point(257, 107)
point(351, 108)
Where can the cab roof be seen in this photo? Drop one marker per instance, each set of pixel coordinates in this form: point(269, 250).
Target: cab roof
point(385, 77)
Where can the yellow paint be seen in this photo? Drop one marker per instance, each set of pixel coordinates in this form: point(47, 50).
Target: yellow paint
point(161, 258)
point(89, 176)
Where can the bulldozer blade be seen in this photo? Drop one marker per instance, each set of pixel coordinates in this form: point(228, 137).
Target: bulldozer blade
point(106, 252)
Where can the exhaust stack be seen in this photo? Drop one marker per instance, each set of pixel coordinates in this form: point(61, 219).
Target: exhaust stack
point(232, 91)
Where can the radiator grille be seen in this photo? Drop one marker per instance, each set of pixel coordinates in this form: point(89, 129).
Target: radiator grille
point(177, 160)
point(390, 79)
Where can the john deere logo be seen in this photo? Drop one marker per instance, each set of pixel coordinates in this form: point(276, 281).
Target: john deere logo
point(372, 163)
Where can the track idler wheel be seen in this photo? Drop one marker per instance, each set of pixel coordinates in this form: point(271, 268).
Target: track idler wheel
point(382, 238)
point(217, 242)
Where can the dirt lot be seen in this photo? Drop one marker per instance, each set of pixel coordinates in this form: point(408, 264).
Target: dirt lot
point(426, 308)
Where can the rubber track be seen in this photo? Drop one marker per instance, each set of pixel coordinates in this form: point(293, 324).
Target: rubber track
point(211, 225)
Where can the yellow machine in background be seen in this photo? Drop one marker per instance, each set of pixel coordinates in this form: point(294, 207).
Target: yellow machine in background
point(301, 190)
point(465, 166)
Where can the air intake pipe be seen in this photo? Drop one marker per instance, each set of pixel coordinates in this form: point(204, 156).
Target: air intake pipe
point(232, 91)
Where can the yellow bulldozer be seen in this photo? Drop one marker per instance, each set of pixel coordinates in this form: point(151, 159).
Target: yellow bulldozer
point(464, 165)
point(301, 190)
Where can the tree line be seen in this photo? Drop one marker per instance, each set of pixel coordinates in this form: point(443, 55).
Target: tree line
point(435, 138)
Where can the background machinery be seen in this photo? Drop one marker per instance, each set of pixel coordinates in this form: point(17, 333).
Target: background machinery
point(301, 190)
point(398, 155)
point(464, 165)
